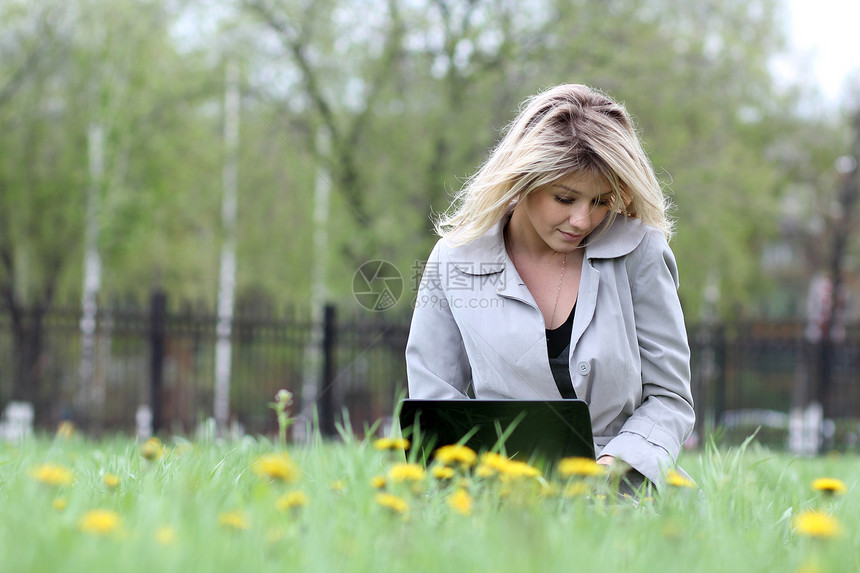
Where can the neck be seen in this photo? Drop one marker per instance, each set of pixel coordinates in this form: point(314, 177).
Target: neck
point(522, 238)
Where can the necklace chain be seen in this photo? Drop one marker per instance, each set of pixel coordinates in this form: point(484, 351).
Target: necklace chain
point(557, 290)
point(560, 276)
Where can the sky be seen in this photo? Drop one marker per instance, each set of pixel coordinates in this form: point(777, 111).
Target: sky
point(826, 34)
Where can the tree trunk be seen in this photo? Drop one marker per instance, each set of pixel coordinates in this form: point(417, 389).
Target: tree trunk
point(227, 273)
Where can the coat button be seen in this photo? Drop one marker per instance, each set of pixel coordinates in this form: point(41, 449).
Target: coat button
point(583, 367)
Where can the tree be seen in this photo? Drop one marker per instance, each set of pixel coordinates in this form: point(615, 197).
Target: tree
point(117, 75)
point(299, 26)
point(35, 235)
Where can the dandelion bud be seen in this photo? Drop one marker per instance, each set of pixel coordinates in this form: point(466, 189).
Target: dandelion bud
point(284, 396)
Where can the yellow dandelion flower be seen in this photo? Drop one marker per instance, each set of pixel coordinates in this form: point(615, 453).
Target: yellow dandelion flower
point(292, 499)
point(378, 482)
point(399, 444)
point(675, 479)
point(165, 535)
point(584, 467)
point(60, 503)
point(382, 444)
point(233, 520)
point(514, 469)
point(53, 474)
point(111, 480)
point(100, 521)
point(816, 524)
point(152, 449)
point(494, 460)
point(65, 429)
point(338, 485)
point(830, 486)
point(276, 466)
point(576, 489)
point(443, 472)
point(391, 444)
point(461, 502)
point(392, 502)
point(454, 454)
point(491, 463)
point(811, 566)
point(406, 472)
point(485, 470)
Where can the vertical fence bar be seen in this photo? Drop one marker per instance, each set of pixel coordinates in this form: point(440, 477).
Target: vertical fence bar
point(721, 369)
point(157, 326)
point(325, 396)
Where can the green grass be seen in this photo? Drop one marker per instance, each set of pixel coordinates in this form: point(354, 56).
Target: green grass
point(740, 521)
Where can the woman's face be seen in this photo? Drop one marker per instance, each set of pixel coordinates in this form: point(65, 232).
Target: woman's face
point(564, 213)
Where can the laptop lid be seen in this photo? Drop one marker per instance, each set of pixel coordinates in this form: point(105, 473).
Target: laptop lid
point(528, 430)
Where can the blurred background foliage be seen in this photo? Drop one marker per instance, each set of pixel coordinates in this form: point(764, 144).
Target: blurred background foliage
point(393, 103)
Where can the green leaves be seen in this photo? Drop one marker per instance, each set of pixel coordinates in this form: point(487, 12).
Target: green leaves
point(413, 96)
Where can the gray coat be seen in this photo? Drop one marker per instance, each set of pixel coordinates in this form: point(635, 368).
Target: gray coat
point(476, 330)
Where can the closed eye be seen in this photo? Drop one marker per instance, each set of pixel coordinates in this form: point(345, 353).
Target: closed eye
point(602, 201)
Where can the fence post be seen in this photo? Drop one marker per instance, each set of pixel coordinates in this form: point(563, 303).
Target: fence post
point(157, 319)
point(325, 394)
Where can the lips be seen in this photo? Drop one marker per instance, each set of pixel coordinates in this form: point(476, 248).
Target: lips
point(571, 237)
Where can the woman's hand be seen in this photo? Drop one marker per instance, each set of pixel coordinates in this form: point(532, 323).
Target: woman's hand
point(606, 460)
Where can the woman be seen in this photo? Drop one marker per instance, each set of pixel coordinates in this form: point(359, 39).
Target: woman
point(554, 279)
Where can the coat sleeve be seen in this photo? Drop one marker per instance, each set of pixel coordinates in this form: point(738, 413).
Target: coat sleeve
point(650, 440)
point(436, 363)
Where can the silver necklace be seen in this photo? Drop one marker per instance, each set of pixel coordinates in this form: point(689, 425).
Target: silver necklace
point(557, 290)
point(510, 247)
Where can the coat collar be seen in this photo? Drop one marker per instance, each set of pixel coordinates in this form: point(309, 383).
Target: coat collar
point(486, 254)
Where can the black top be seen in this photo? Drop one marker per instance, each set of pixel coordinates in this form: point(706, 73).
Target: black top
point(558, 351)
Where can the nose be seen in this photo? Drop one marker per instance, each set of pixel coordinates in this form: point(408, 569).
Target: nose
point(580, 214)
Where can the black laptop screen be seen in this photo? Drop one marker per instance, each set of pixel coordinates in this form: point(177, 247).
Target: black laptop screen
point(531, 430)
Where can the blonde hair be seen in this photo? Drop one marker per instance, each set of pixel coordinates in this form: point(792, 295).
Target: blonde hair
point(567, 129)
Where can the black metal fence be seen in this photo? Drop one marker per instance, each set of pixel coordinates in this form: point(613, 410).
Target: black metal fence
point(165, 360)
point(773, 367)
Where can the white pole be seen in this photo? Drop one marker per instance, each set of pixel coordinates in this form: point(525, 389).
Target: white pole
point(227, 271)
point(92, 269)
point(319, 290)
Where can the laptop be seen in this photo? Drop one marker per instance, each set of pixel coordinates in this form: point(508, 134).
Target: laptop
point(528, 430)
